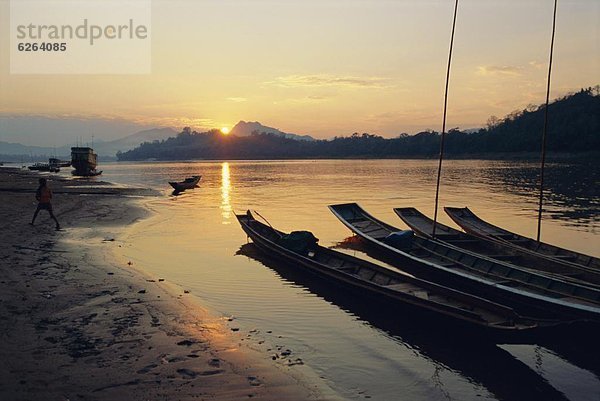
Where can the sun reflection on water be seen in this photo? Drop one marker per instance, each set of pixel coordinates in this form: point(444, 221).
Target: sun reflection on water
point(225, 193)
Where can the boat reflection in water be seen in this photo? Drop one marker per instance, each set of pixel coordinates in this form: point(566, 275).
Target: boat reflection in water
point(225, 193)
point(479, 360)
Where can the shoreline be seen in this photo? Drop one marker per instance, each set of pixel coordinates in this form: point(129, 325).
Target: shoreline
point(552, 156)
point(79, 323)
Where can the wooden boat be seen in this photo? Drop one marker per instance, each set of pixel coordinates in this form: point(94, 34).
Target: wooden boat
point(84, 162)
point(491, 248)
point(44, 167)
point(372, 279)
point(188, 183)
point(53, 161)
point(472, 224)
point(529, 293)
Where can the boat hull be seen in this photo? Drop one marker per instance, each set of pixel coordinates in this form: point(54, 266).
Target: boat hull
point(380, 292)
point(190, 183)
point(44, 167)
point(503, 291)
point(84, 161)
point(473, 224)
point(495, 249)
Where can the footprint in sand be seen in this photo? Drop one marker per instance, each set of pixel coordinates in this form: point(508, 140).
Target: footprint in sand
point(191, 374)
point(188, 373)
point(254, 381)
point(211, 372)
point(147, 369)
point(173, 359)
point(187, 343)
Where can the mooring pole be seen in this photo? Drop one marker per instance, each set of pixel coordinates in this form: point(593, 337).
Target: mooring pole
point(439, 172)
point(543, 162)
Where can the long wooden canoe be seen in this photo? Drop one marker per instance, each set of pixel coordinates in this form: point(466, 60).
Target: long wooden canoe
point(473, 224)
point(529, 293)
point(495, 249)
point(384, 283)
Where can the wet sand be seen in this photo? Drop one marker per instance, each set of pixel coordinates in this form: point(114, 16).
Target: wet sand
point(78, 322)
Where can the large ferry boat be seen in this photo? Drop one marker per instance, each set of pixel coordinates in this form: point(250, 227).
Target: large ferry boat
point(84, 160)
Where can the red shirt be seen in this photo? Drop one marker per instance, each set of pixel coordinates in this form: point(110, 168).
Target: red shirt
point(44, 195)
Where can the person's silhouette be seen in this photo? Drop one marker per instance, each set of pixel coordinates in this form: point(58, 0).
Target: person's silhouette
point(44, 198)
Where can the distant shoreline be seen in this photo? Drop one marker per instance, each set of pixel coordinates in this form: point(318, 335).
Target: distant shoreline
point(521, 156)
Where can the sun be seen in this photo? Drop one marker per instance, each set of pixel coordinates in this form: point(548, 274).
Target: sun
point(224, 130)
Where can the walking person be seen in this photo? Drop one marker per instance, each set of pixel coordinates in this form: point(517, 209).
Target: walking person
point(44, 198)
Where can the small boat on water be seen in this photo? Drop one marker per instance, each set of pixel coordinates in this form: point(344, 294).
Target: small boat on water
point(301, 248)
point(473, 224)
point(188, 183)
point(529, 293)
point(495, 249)
point(44, 167)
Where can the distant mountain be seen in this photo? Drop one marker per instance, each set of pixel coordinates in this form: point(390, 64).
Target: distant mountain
point(8, 148)
point(131, 141)
point(106, 150)
point(573, 126)
point(244, 128)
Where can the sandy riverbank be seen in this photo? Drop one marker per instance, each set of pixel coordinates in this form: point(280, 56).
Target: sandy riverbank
point(78, 323)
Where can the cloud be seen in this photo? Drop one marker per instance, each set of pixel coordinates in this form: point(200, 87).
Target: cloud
point(383, 116)
point(237, 99)
point(196, 123)
point(537, 64)
point(294, 81)
point(499, 70)
point(303, 100)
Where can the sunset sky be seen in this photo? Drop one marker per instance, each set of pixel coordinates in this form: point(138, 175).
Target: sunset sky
point(323, 68)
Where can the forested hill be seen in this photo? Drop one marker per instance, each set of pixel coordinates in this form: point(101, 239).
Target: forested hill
point(573, 126)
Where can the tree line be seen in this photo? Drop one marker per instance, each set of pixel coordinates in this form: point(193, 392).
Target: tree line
point(573, 127)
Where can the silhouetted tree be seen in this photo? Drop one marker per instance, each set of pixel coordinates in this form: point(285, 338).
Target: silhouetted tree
point(574, 126)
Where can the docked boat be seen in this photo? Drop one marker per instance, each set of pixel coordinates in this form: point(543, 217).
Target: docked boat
point(473, 224)
point(44, 167)
point(188, 183)
point(301, 248)
point(53, 161)
point(491, 248)
point(84, 161)
point(529, 293)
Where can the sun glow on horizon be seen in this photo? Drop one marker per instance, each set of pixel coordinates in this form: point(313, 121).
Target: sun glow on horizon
point(224, 130)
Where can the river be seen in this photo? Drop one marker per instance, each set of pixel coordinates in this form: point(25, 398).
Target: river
point(361, 351)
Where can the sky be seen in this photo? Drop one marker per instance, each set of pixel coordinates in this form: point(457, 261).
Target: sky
point(324, 68)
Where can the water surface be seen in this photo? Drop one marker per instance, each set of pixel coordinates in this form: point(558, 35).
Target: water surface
point(362, 350)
